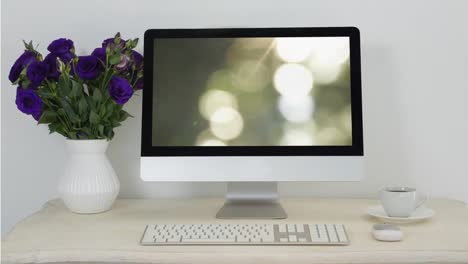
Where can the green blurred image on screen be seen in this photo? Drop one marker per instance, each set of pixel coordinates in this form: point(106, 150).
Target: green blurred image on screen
point(252, 92)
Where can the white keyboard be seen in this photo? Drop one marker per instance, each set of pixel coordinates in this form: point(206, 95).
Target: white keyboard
point(248, 234)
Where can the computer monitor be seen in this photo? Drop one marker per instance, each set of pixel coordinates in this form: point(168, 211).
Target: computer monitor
point(252, 107)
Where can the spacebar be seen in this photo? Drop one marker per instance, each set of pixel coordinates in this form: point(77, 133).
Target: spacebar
point(208, 240)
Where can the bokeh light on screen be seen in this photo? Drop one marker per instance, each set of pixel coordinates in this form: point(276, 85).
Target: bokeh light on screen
point(329, 50)
point(212, 142)
point(325, 74)
point(294, 49)
point(206, 138)
point(226, 123)
point(327, 56)
point(293, 80)
point(297, 137)
point(212, 100)
point(296, 109)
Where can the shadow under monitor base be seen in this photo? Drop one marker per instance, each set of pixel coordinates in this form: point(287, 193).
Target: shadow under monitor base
point(251, 210)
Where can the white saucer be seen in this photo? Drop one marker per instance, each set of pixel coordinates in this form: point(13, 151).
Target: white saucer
point(419, 214)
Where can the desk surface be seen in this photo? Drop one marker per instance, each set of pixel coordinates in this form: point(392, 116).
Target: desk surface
point(56, 235)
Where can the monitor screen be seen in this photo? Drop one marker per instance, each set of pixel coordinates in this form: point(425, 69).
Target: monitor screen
point(255, 91)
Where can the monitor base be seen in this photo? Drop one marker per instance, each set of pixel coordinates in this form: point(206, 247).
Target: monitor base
point(251, 210)
point(252, 200)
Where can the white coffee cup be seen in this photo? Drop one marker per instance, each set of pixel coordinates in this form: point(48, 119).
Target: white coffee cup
point(400, 201)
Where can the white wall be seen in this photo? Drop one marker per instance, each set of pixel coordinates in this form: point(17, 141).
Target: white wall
point(415, 91)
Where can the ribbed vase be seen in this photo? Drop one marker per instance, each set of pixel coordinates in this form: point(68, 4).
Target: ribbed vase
point(89, 184)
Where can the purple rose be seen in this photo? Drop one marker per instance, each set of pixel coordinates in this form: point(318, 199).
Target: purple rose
point(67, 57)
point(120, 90)
point(100, 53)
point(26, 58)
point(88, 67)
point(111, 43)
point(139, 84)
point(15, 72)
point(29, 102)
point(62, 48)
point(123, 64)
point(137, 59)
point(37, 72)
point(51, 61)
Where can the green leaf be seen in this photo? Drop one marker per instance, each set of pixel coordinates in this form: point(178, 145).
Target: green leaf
point(101, 130)
point(58, 128)
point(51, 85)
point(44, 94)
point(48, 117)
point(110, 134)
point(109, 110)
point(117, 38)
point(102, 112)
point(77, 89)
point(61, 112)
point(25, 44)
point(114, 59)
point(53, 127)
point(74, 118)
point(124, 115)
point(82, 106)
point(86, 130)
point(93, 118)
point(97, 96)
point(25, 83)
point(72, 135)
point(131, 43)
point(91, 103)
point(63, 86)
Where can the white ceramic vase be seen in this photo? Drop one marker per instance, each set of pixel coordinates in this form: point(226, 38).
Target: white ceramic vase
point(89, 184)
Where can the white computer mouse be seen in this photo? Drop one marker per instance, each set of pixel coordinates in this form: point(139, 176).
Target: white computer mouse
point(387, 232)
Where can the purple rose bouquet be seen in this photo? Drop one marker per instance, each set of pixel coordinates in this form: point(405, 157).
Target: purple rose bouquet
point(79, 97)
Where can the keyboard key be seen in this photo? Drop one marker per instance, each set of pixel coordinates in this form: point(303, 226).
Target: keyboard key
point(282, 228)
point(300, 228)
point(256, 239)
point(332, 233)
point(318, 233)
point(243, 239)
point(173, 239)
point(341, 233)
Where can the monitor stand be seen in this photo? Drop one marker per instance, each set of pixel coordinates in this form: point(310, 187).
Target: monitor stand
point(252, 200)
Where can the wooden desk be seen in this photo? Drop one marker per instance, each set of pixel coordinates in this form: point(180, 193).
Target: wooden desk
point(54, 235)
